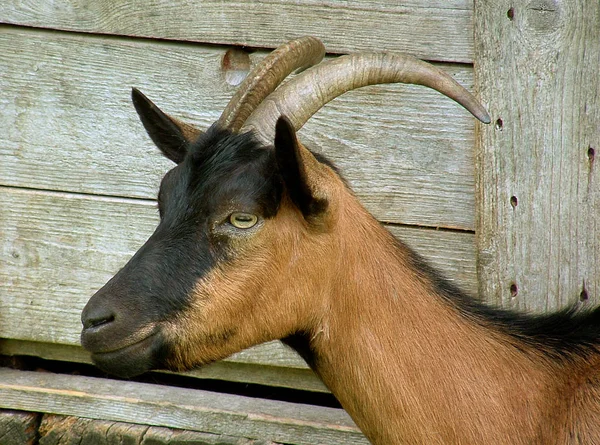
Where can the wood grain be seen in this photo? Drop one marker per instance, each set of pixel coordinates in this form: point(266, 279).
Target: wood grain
point(538, 178)
point(183, 408)
point(81, 174)
point(434, 30)
point(68, 430)
point(59, 248)
point(233, 369)
point(18, 428)
point(71, 127)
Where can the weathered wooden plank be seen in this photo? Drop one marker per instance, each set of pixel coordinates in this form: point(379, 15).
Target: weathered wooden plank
point(435, 30)
point(70, 125)
point(538, 173)
point(234, 369)
point(58, 248)
point(18, 428)
point(171, 407)
point(67, 430)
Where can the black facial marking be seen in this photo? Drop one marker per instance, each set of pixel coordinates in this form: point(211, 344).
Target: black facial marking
point(235, 168)
point(222, 173)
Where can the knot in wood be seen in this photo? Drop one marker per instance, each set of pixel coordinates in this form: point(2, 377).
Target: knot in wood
point(543, 17)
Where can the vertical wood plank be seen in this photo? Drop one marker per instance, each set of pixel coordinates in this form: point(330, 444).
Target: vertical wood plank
point(537, 68)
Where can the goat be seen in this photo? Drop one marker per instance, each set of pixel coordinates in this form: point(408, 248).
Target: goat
point(261, 239)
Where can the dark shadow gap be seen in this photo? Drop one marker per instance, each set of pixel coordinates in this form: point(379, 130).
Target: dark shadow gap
point(28, 363)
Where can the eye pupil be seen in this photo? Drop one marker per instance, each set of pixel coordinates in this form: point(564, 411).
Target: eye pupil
point(243, 220)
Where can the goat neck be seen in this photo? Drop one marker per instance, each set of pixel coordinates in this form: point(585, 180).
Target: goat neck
point(452, 381)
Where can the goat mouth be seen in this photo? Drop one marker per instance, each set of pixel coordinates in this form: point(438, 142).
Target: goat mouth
point(132, 359)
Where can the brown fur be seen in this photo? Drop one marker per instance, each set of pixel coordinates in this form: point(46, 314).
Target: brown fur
point(405, 364)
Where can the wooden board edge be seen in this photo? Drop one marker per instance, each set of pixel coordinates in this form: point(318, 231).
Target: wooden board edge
point(269, 25)
point(175, 408)
point(225, 370)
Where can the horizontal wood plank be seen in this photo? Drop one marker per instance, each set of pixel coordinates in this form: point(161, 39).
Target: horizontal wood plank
point(406, 150)
point(435, 30)
point(171, 407)
point(69, 430)
point(59, 248)
point(248, 367)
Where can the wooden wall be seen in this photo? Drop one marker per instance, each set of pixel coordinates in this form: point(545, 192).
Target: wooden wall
point(78, 175)
point(538, 178)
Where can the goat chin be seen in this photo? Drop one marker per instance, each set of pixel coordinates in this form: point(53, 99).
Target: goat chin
point(134, 359)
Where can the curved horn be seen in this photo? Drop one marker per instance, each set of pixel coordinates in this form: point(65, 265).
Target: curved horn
point(303, 96)
point(267, 75)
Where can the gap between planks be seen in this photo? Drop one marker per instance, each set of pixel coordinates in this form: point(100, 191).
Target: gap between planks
point(152, 202)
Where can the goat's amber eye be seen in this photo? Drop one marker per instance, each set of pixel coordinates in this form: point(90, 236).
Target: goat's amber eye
point(243, 220)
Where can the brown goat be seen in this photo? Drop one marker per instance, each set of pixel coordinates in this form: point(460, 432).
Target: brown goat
point(261, 239)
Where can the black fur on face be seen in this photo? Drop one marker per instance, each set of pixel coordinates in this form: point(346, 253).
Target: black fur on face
point(221, 173)
point(222, 169)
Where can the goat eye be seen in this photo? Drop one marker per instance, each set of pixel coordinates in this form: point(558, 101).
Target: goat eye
point(242, 220)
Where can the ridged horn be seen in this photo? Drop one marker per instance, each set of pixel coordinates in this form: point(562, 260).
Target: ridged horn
point(297, 54)
point(304, 95)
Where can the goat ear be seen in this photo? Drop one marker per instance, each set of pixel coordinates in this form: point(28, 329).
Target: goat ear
point(170, 135)
point(302, 173)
